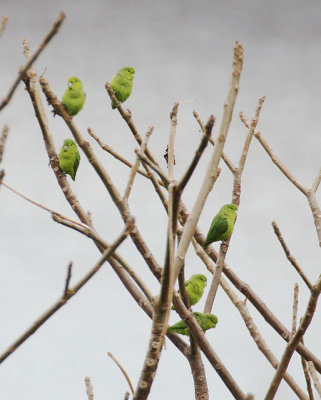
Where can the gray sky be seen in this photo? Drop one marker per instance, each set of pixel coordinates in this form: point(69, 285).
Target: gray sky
point(182, 51)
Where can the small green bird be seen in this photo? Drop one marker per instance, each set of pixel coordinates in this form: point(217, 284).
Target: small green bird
point(122, 84)
point(205, 321)
point(195, 287)
point(69, 158)
point(222, 224)
point(74, 96)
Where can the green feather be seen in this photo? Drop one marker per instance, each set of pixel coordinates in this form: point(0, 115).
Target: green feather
point(205, 321)
point(74, 96)
point(222, 224)
point(122, 84)
point(69, 158)
point(195, 287)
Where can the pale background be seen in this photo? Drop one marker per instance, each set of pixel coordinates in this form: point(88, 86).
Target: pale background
point(181, 50)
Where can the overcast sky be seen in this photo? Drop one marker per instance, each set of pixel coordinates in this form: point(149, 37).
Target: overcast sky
point(181, 51)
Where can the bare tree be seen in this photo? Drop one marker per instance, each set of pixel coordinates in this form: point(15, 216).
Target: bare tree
point(182, 231)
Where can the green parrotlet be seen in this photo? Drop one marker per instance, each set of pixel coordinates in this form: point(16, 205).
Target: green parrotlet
point(222, 224)
point(205, 321)
point(122, 84)
point(195, 287)
point(74, 96)
point(69, 158)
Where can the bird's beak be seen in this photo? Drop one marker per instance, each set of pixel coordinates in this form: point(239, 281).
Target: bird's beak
point(70, 84)
point(65, 147)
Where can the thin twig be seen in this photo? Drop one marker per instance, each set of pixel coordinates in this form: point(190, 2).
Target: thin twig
point(198, 154)
point(33, 58)
point(209, 178)
point(126, 397)
point(162, 307)
point(294, 341)
point(249, 322)
point(127, 116)
point(89, 389)
point(307, 376)
point(71, 292)
point(3, 23)
point(3, 138)
point(171, 155)
point(135, 167)
point(316, 181)
point(52, 212)
point(123, 371)
point(289, 256)
point(68, 277)
point(295, 307)
point(227, 161)
point(121, 205)
point(315, 378)
point(111, 151)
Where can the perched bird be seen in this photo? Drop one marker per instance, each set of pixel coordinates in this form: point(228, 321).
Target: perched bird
point(205, 321)
point(122, 84)
point(195, 287)
point(74, 96)
point(69, 158)
point(222, 224)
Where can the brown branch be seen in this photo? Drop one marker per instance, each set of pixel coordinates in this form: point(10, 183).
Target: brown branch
point(122, 370)
point(307, 376)
point(295, 340)
point(198, 154)
point(250, 294)
point(135, 167)
point(89, 389)
point(227, 161)
point(3, 23)
point(211, 172)
point(64, 299)
point(289, 256)
point(295, 308)
point(162, 308)
point(68, 277)
point(316, 181)
point(315, 378)
point(170, 147)
point(127, 116)
point(249, 322)
point(33, 58)
point(121, 205)
point(3, 138)
point(109, 150)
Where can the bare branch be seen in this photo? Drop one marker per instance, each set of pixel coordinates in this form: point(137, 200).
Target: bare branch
point(316, 181)
point(135, 167)
point(294, 341)
point(71, 292)
point(289, 255)
point(295, 307)
point(227, 161)
point(198, 154)
point(162, 307)
point(68, 277)
point(252, 127)
point(33, 58)
point(171, 156)
point(3, 138)
point(3, 23)
point(127, 116)
point(107, 148)
point(122, 370)
point(249, 322)
point(209, 179)
point(89, 389)
point(121, 205)
point(315, 378)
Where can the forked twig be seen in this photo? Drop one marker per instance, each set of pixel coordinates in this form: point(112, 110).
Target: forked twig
point(33, 58)
point(70, 293)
